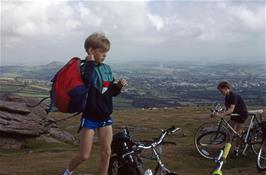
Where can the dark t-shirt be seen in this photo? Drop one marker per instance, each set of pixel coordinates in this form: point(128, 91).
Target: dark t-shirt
point(240, 106)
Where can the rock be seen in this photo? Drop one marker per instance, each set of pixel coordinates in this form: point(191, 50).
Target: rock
point(62, 135)
point(14, 107)
point(16, 125)
point(19, 120)
point(48, 139)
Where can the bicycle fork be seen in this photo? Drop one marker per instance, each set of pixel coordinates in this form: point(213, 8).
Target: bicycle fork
point(160, 163)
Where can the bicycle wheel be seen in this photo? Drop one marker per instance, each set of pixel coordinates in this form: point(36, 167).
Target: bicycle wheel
point(210, 143)
point(261, 157)
point(209, 139)
point(256, 138)
point(124, 167)
point(114, 165)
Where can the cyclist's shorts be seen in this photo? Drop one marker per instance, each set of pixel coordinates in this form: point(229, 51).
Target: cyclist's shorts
point(239, 119)
point(91, 124)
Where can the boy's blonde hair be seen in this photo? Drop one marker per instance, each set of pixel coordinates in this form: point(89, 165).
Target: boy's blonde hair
point(223, 85)
point(97, 40)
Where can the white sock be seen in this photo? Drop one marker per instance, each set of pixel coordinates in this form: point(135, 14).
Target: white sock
point(67, 172)
point(236, 149)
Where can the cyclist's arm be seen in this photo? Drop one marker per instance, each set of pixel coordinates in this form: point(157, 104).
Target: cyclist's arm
point(227, 112)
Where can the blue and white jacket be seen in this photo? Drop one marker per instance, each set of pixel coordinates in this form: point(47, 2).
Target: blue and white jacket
point(100, 81)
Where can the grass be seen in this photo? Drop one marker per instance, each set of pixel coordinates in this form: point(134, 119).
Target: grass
point(46, 159)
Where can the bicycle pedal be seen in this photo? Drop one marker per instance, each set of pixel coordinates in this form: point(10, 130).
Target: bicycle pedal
point(217, 161)
point(244, 154)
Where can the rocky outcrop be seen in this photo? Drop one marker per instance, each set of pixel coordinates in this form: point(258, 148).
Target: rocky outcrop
point(20, 121)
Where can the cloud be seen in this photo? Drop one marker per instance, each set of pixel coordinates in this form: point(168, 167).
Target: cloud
point(157, 21)
point(149, 29)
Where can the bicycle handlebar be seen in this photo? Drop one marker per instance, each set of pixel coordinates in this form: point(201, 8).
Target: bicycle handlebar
point(214, 111)
point(141, 146)
point(219, 109)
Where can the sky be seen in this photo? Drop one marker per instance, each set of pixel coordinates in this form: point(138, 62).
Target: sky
point(38, 32)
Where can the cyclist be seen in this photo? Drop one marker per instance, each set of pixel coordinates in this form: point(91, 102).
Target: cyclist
point(236, 105)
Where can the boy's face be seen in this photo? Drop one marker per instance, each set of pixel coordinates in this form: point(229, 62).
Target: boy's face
point(224, 91)
point(99, 55)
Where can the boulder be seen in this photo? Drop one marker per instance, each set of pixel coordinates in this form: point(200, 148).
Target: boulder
point(20, 119)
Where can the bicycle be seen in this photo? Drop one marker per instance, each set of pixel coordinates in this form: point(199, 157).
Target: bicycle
point(126, 156)
point(210, 138)
point(261, 157)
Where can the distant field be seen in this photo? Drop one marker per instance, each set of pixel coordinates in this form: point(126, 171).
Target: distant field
point(38, 91)
point(48, 159)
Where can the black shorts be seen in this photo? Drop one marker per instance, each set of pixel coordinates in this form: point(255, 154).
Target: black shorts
point(239, 119)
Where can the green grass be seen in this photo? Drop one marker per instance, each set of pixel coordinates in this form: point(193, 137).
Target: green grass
point(21, 90)
point(43, 158)
point(51, 158)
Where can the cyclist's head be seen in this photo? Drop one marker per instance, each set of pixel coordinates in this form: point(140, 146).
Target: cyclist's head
point(224, 87)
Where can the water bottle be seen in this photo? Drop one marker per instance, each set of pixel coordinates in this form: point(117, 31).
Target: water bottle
point(148, 172)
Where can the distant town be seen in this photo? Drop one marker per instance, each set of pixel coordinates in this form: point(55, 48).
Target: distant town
point(157, 84)
point(175, 84)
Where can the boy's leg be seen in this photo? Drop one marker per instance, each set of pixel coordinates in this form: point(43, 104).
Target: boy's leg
point(228, 144)
point(239, 130)
point(229, 133)
point(86, 141)
point(105, 137)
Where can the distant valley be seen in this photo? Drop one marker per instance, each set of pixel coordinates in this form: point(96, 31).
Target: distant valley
point(153, 84)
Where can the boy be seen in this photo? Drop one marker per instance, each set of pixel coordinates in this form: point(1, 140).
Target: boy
point(96, 117)
point(234, 104)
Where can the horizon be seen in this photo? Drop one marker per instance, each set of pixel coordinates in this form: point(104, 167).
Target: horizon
point(145, 61)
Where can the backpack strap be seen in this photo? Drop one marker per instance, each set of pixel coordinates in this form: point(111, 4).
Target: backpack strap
point(52, 99)
point(35, 105)
point(83, 75)
point(82, 68)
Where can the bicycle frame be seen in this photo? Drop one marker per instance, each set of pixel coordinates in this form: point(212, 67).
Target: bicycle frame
point(250, 126)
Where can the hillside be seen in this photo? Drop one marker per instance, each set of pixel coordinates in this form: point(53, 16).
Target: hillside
point(47, 159)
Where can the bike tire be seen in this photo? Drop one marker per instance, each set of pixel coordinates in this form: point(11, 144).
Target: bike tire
point(256, 139)
point(203, 130)
point(261, 157)
point(210, 143)
point(114, 165)
point(117, 166)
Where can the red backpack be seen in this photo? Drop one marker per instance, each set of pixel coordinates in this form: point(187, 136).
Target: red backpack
point(69, 93)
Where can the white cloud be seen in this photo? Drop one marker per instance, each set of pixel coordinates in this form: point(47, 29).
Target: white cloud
point(157, 21)
point(151, 29)
point(253, 20)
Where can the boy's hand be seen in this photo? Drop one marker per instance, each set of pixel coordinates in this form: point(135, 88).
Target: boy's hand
point(219, 114)
point(212, 115)
point(90, 57)
point(122, 83)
